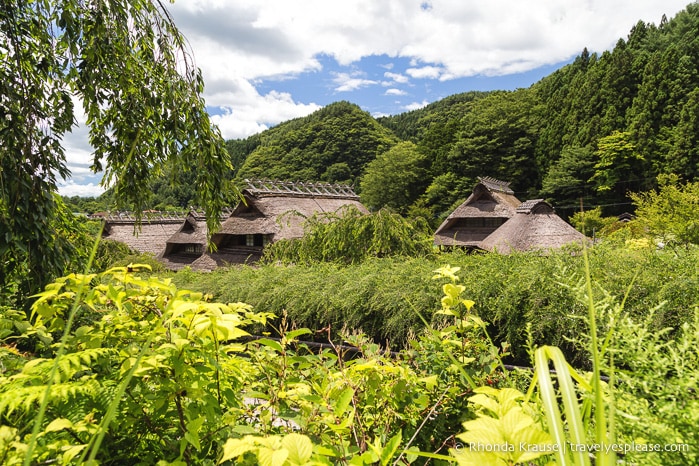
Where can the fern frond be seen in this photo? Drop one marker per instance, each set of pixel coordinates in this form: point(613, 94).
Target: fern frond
point(69, 365)
point(27, 398)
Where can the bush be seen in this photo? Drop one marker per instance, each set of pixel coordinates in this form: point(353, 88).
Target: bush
point(380, 295)
point(351, 237)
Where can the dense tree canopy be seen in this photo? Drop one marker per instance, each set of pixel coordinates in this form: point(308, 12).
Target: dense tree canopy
point(394, 178)
point(128, 66)
point(333, 144)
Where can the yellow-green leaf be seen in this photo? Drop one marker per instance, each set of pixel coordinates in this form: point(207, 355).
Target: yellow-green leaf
point(299, 447)
point(58, 424)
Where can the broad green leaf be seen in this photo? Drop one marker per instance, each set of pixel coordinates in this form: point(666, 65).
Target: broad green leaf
point(271, 344)
point(296, 333)
point(233, 448)
point(343, 401)
point(272, 457)
point(390, 448)
point(58, 424)
point(299, 447)
point(71, 453)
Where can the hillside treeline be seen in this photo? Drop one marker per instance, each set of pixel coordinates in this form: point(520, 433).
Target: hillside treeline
point(596, 129)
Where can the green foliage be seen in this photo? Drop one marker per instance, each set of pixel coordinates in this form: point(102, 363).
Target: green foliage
point(334, 143)
point(511, 291)
point(130, 68)
point(350, 237)
point(394, 179)
point(424, 124)
point(497, 137)
point(25, 271)
point(658, 403)
point(151, 355)
point(86, 205)
point(670, 214)
point(568, 179)
point(161, 376)
point(616, 160)
point(505, 425)
point(591, 222)
point(110, 252)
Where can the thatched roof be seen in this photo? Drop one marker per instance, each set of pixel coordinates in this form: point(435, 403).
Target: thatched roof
point(274, 210)
point(491, 199)
point(148, 237)
point(190, 241)
point(535, 226)
point(192, 230)
point(279, 209)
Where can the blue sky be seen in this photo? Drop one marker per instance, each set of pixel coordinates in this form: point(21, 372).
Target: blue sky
point(379, 84)
point(268, 61)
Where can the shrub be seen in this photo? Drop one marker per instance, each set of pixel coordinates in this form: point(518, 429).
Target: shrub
point(351, 237)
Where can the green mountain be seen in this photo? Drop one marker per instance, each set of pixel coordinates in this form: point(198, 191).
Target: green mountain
point(333, 144)
point(594, 130)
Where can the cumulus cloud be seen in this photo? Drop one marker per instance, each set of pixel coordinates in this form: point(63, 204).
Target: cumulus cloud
point(396, 77)
point(345, 82)
point(258, 113)
point(416, 105)
point(71, 188)
point(269, 37)
point(394, 91)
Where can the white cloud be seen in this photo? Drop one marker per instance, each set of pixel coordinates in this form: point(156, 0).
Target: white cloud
point(416, 105)
point(258, 113)
point(345, 82)
point(394, 91)
point(425, 72)
point(71, 188)
point(396, 77)
point(256, 38)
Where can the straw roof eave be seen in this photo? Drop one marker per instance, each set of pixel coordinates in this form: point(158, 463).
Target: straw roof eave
point(531, 231)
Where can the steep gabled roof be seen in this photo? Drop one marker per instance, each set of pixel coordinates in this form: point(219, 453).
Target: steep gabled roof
point(192, 231)
point(276, 210)
point(491, 199)
point(280, 208)
point(535, 226)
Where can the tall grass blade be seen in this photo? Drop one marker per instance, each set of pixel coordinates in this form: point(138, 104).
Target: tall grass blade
point(573, 416)
point(603, 436)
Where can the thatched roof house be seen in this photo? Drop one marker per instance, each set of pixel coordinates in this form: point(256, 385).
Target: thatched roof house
point(273, 210)
point(189, 242)
point(535, 226)
point(148, 237)
point(490, 205)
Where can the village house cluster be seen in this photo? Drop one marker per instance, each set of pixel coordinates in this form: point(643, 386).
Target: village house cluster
point(491, 219)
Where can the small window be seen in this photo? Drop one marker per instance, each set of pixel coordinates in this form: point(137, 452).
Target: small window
point(192, 249)
point(249, 240)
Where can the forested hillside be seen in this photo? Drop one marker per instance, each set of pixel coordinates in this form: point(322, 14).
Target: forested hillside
point(332, 144)
point(595, 129)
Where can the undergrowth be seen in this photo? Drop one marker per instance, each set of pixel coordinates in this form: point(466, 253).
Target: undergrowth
point(511, 291)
